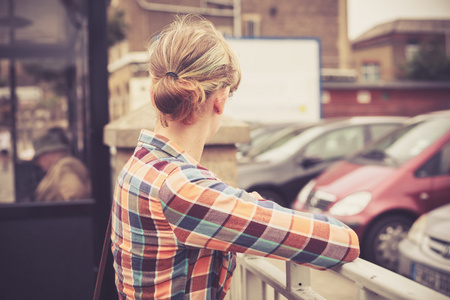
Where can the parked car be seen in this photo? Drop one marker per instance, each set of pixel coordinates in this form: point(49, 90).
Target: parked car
point(279, 168)
point(259, 134)
point(381, 190)
point(425, 253)
point(271, 137)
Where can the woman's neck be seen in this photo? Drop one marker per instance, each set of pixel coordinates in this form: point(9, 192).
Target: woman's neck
point(191, 138)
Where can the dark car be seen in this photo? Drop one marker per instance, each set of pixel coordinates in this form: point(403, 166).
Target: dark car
point(425, 253)
point(259, 135)
point(279, 168)
point(381, 190)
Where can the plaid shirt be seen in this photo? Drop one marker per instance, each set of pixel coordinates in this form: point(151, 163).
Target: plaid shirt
point(176, 227)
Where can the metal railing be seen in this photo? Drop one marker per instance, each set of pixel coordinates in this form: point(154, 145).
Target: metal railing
point(257, 278)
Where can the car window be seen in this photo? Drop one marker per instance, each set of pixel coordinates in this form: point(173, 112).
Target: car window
point(380, 129)
point(258, 137)
point(444, 166)
point(337, 143)
point(274, 140)
point(417, 139)
point(290, 146)
point(439, 164)
point(408, 142)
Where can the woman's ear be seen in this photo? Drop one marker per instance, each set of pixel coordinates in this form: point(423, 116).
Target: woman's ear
point(220, 100)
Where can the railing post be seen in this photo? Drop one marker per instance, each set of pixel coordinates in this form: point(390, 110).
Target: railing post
point(362, 293)
point(254, 286)
point(298, 281)
point(297, 278)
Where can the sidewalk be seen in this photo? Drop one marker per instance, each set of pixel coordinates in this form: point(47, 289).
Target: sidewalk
point(7, 184)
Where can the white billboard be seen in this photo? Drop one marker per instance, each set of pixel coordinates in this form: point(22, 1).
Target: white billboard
point(280, 80)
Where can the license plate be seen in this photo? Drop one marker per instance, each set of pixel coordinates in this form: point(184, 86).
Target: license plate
point(435, 280)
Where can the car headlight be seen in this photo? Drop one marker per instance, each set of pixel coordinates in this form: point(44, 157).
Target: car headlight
point(417, 231)
point(352, 204)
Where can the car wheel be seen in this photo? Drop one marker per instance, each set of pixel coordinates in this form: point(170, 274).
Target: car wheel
point(381, 241)
point(272, 195)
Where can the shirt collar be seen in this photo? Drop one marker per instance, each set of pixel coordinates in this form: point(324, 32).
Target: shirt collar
point(162, 143)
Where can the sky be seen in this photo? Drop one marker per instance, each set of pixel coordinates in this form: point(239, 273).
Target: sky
point(365, 14)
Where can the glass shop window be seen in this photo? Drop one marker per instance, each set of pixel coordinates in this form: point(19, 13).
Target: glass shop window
point(43, 99)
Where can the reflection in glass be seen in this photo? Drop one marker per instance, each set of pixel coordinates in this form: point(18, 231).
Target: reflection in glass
point(65, 177)
point(52, 22)
point(6, 168)
point(42, 84)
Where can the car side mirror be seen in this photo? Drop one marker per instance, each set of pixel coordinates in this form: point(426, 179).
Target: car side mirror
point(308, 162)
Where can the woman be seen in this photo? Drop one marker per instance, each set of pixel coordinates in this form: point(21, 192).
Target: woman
point(175, 226)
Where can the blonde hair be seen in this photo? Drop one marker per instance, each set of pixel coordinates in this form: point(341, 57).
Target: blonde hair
point(189, 60)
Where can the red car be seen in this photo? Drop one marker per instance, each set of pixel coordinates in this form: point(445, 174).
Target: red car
point(381, 190)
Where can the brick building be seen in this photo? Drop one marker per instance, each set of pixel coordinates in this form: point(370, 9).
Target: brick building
point(392, 98)
point(325, 20)
point(379, 55)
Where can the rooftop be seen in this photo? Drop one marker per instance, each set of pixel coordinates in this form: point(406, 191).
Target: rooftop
point(406, 26)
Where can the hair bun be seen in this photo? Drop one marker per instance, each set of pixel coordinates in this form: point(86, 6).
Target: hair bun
point(178, 99)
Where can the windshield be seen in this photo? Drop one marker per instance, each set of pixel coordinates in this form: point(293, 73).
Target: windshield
point(289, 146)
point(402, 145)
point(274, 140)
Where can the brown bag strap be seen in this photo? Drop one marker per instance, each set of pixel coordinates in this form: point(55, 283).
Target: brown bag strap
point(101, 268)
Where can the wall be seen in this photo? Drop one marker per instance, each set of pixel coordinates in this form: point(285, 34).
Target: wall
point(383, 54)
point(320, 19)
point(144, 24)
point(323, 19)
point(119, 92)
point(219, 155)
point(389, 100)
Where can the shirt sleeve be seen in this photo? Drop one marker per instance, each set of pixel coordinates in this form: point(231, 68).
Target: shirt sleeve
point(207, 213)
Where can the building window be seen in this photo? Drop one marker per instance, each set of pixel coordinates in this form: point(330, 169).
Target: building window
point(250, 28)
point(411, 51)
point(370, 71)
point(326, 97)
point(252, 25)
point(363, 97)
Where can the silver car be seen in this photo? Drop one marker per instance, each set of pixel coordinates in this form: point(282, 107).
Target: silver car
point(425, 253)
